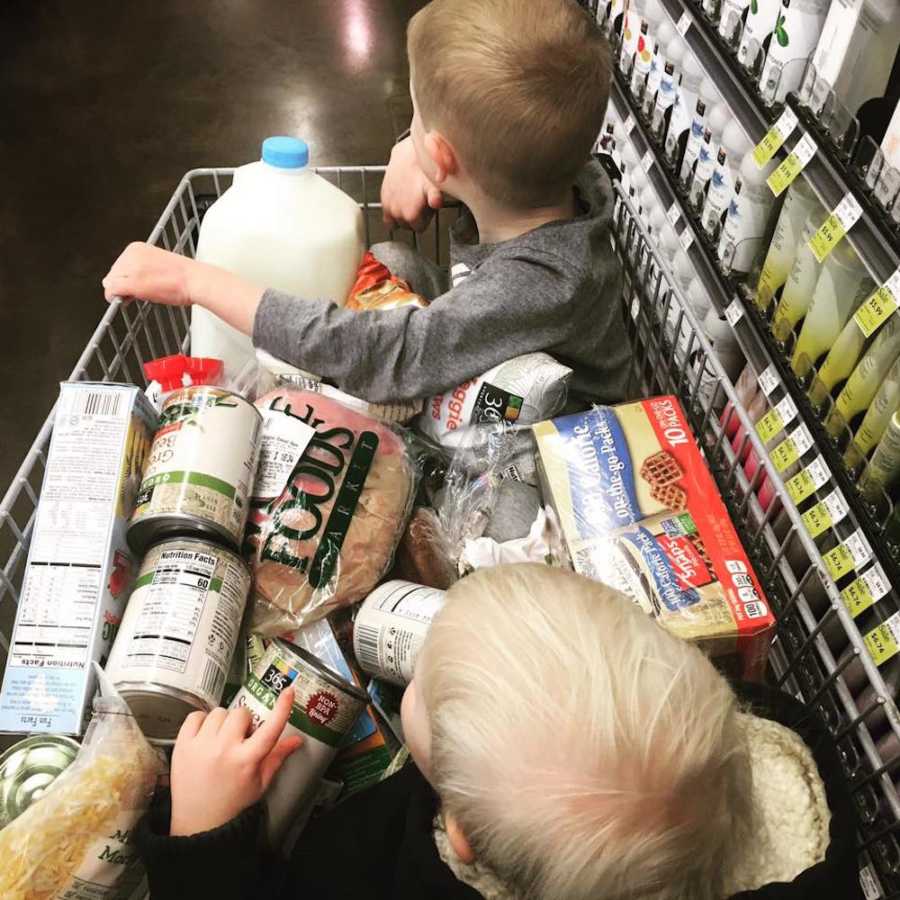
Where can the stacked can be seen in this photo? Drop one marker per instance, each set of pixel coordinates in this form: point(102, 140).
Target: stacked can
point(180, 629)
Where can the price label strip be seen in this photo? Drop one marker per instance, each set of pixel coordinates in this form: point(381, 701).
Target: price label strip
point(628, 125)
point(769, 380)
point(684, 23)
point(775, 138)
point(647, 160)
point(804, 484)
point(734, 312)
point(791, 448)
point(883, 641)
point(879, 306)
point(854, 553)
point(797, 160)
point(833, 229)
point(686, 238)
point(869, 588)
point(673, 214)
point(825, 514)
point(776, 419)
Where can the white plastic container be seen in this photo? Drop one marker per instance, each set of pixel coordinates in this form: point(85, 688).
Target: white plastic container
point(856, 50)
point(748, 216)
point(760, 23)
point(668, 86)
point(890, 146)
point(684, 110)
point(732, 148)
point(664, 33)
point(717, 120)
point(731, 18)
point(794, 40)
point(282, 226)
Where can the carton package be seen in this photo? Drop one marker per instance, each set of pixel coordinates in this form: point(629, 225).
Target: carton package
point(79, 566)
point(639, 511)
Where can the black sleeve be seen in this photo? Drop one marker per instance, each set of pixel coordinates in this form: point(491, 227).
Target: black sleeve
point(231, 862)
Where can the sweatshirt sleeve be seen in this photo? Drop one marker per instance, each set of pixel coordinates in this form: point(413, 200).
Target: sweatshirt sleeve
point(231, 862)
point(510, 306)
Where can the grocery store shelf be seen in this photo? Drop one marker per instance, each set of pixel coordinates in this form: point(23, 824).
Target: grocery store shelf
point(872, 236)
point(752, 336)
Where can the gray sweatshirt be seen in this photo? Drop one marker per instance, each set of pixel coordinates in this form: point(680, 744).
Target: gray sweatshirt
point(557, 289)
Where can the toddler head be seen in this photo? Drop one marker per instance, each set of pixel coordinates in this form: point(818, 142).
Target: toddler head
point(508, 94)
point(578, 749)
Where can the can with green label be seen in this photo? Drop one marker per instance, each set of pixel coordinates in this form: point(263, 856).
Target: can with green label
point(326, 707)
point(28, 768)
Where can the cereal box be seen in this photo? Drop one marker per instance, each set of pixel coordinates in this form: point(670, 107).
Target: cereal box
point(640, 511)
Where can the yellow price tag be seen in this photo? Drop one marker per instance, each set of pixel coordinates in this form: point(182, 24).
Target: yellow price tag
point(801, 486)
point(796, 161)
point(785, 454)
point(881, 641)
point(839, 561)
point(857, 597)
point(875, 310)
point(817, 519)
point(833, 229)
point(775, 138)
point(769, 425)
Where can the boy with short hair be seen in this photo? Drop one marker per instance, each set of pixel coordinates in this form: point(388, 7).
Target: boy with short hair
point(509, 97)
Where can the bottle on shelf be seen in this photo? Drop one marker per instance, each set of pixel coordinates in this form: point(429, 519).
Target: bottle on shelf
point(890, 144)
point(747, 220)
point(731, 20)
point(643, 59)
point(801, 283)
point(843, 284)
point(732, 148)
point(758, 27)
point(663, 35)
point(712, 10)
point(684, 111)
point(707, 99)
point(882, 407)
point(799, 202)
point(668, 88)
point(631, 32)
point(794, 38)
point(725, 345)
point(866, 378)
point(718, 119)
point(883, 469)
point(615, 13)
point(856, 51)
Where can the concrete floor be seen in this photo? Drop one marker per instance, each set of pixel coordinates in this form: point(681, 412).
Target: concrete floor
point(106, 105)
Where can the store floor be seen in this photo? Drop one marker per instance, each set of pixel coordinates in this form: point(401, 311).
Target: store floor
point(107, 104)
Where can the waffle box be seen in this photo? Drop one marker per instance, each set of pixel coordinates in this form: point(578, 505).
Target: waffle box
point(640, 511)
point(79, 566)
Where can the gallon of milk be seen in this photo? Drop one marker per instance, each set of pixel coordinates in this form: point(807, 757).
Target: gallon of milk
point(281, 226)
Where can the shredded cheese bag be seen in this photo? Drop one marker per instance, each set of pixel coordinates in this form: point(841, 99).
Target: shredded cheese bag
point(74, 842)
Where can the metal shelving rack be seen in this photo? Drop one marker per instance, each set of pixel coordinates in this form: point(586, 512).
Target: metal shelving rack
point(818, 638)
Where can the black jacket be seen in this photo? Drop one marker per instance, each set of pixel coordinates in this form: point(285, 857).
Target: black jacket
point(379, 843)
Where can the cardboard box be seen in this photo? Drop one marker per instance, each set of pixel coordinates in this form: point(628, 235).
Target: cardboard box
point(639, 511)
point(79, 566)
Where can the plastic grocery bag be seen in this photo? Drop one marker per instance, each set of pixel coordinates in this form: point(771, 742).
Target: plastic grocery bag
point(329, 506)
point(74, 842)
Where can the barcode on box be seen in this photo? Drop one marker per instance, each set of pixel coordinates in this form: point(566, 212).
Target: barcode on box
point(366, 640)
point(98, 403)
point(213, 679)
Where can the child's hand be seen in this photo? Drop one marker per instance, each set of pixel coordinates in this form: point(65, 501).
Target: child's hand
point(407, 196)
point(217, 771)
point(151, 274)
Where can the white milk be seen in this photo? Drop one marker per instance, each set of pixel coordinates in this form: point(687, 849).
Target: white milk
point(856, 50)
point(793, 41)
point(733, 146)
point(760, 23)
point(282, 226)
point(684, 110)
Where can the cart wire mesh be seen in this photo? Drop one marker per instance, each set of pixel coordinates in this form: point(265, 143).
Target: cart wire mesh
point(817, 653)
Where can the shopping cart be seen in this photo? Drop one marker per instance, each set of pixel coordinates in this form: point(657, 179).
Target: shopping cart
point(671, 355)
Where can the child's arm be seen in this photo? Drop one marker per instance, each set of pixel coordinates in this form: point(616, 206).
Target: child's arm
point(216, 831)
point(407, 196)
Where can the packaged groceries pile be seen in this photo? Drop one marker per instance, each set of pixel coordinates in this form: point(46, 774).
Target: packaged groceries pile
point(238, 529)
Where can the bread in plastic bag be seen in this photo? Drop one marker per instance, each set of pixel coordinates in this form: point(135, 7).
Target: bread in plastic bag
point(74, 842)
point(329, 536)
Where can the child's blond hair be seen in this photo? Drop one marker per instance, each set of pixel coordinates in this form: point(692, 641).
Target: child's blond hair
point(519, 87)
point(586, 752)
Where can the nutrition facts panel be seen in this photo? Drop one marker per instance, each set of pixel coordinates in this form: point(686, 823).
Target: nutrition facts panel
point(170, 610)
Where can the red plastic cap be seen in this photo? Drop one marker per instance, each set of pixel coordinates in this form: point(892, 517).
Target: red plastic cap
point(170, 371)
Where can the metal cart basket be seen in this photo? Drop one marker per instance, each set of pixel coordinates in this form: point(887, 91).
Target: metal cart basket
point(816, 648)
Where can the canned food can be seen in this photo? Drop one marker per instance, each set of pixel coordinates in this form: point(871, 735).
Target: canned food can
point(28, 768)
point(325, 710)
point(390, 629)
point(200, 471)
point(179, 632)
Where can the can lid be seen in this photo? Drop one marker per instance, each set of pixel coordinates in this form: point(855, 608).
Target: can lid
point(28, 768)
point(326, 673)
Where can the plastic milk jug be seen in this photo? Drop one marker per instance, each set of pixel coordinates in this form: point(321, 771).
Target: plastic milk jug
point(281, 226)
